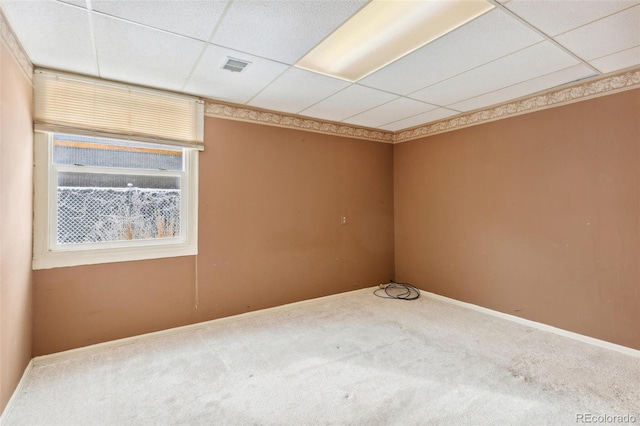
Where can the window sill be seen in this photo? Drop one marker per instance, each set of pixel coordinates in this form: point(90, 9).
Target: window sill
point(60, 259)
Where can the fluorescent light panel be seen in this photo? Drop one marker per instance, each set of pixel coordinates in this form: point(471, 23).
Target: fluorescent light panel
point(386, 30)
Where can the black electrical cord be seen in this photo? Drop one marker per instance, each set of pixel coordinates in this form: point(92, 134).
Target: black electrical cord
point(400, 291)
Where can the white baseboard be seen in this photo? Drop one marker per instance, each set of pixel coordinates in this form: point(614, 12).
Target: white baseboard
point(540, 326)
point(16, 392)
point(46, 359)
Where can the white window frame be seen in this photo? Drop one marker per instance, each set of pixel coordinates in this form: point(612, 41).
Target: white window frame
point(47, 253)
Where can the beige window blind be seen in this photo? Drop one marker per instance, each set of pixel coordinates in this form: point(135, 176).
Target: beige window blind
point(92, 107)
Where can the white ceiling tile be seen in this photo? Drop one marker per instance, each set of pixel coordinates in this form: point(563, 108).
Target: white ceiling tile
point(193, 18)
point(296, 90)
point(555, 17)
point(534, 61)
point(617, 61)
point(54, 35)
point(348, 102)
point(606, 36)
point(210, 80)
point(484, 39)
point(392, 111)
point(282, 30)
point(427, 117)
point(136, 54)
point(525, 88)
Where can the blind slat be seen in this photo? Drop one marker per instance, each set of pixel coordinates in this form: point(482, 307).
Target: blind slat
point(70, 104)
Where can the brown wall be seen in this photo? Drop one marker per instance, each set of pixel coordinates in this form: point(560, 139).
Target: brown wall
point(16, 200)
point(269, 234)
point(535, 216)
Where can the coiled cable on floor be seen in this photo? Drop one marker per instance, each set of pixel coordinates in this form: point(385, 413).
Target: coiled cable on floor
point(400, 291)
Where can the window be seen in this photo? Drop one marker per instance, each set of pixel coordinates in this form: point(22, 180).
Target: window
point(102, 200)
point(116, 171)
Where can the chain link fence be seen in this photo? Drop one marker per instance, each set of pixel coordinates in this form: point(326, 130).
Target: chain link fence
point(91, 215)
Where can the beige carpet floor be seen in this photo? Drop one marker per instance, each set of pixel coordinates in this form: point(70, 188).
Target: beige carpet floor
point(350, 360)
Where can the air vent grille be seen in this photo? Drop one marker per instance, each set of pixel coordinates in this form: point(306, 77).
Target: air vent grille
point(235, 65)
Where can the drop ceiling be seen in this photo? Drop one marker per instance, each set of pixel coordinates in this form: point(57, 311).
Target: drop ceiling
point(518, 48)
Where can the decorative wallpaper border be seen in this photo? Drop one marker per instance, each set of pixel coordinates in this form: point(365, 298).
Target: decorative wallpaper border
point(579, 91)
point(15, 47)
point(242, 113)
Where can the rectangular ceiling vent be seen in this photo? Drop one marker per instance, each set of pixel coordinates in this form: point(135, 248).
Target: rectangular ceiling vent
point(235, 65)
